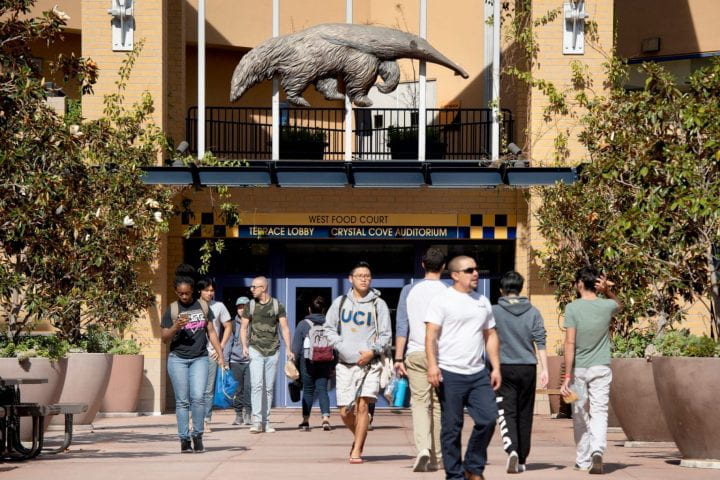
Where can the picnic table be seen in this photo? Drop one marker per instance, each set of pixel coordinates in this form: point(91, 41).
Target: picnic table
point(12, 409)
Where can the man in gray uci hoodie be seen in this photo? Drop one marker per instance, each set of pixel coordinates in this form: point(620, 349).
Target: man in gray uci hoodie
point(522, 333)
point(358, 326)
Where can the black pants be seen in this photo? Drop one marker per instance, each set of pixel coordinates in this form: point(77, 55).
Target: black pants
point(516, 399)
point(241, 399)
point(474, 392)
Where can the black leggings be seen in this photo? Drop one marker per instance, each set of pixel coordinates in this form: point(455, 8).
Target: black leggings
point(516, 400)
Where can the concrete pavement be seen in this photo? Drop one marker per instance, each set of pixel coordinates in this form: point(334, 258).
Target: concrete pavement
point(137, 448)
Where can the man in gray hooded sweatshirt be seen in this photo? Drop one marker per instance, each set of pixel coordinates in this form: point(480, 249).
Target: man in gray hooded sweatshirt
point(522, 332)
point(358, 326)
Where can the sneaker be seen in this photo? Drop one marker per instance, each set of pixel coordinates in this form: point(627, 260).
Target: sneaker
point(597, 463)
point(198, 445)
point(206, 428)
point(512, 463)
point(185, 446)
point(238, 419)
point(257, 428)
point(421, 461)
point(370, 425)
point(521, 467)
point(247, 418)
point(304, 426)
point(580, 469)
point(269, 429)
point(326, 424)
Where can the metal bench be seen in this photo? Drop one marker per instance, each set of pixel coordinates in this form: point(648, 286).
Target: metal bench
point(10, 415)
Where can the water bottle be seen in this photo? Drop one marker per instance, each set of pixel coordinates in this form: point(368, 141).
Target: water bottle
point(400, 392)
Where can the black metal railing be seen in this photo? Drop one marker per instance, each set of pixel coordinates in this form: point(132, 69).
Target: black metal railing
point(378, 133)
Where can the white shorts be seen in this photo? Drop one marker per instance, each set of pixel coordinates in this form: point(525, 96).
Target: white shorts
point(348, 378)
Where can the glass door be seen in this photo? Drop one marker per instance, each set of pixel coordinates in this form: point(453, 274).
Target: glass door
point(298, 294)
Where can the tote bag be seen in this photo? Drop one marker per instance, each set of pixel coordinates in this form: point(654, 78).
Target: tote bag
point(225, 388)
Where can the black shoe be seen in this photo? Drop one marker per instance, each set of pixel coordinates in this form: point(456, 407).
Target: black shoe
point(597, 463)
point(198, 445)
point(185, 446)
point(304, 426)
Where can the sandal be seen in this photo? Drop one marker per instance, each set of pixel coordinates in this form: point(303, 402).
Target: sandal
point(356, 460)
point(326, 425)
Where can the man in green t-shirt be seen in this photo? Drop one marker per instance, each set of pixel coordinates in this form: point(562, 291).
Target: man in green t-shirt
point(264, 315)
point(587, 356)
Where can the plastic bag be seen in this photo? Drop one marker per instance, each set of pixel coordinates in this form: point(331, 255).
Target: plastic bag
point(225, 388)
point(390, 389)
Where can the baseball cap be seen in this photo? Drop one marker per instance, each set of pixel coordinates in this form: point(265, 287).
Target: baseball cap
point(242, 301)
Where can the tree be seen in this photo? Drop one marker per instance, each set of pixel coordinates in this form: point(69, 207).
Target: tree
point(77, 224)
point(647, 206)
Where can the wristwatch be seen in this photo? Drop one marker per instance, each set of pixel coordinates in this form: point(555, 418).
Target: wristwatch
point(398, 360)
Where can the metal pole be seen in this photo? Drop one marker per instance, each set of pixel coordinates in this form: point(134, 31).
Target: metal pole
point(496, 82)
point(348, 103)
point(276, 88)
point(201, 80)
point(423, 87)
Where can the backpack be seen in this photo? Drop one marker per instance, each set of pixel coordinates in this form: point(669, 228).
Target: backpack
point(316, 344)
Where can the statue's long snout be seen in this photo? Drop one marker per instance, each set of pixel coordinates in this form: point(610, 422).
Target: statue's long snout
point(434, 56)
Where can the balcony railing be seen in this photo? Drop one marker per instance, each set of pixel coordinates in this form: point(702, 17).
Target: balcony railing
point(452, 134)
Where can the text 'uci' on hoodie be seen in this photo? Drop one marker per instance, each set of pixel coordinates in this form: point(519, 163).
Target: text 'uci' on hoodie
point(356, 324)
point(519, 325)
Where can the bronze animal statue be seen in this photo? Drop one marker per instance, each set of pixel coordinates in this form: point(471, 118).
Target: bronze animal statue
point(328, 54)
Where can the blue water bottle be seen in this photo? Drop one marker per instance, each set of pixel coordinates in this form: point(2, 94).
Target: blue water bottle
point(400, 392)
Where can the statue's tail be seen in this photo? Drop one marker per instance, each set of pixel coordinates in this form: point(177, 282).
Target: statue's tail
point(257, 65)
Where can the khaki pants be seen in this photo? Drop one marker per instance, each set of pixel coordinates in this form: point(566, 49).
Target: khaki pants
point(425, 406)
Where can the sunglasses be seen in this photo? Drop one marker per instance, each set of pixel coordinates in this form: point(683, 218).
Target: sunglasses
point(469, 270)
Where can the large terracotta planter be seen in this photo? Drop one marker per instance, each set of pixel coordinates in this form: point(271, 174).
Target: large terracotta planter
point(44, 393)
point(558, 408)
point(123, 388)
point(634, 399)
point(688, 390)
point(86, 380)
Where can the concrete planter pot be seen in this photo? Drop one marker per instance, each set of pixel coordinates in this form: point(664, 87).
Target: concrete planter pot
point(123, 390)
point(86, 380)
point(635, 401)
point(44, 393)
point(688, 390)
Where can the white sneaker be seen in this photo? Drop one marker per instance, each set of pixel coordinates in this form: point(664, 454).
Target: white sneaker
point(257, 428)
point(512, 463)
point(521, 467)
point(421, 461)
point(207, 428)
point(269, 429)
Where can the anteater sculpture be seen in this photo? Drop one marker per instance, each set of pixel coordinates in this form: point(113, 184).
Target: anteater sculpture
point(332, 53)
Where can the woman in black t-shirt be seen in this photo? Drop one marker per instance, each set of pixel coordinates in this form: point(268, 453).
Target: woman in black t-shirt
point(187, 363)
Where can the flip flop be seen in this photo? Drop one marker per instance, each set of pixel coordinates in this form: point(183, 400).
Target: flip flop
point(356, 460)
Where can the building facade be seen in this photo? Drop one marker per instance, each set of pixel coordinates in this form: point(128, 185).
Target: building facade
point(305, 239)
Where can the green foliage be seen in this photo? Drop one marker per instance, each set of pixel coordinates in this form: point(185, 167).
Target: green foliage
point(410, 134)
point(45, 346)
point(97, 340)
point(632, 344)
point(682, 343)
point(78, 223)
point(302, 134)
point(647, 207)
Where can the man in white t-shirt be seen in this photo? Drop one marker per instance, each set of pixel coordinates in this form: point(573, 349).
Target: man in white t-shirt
point(460, 332)
point(410, 332)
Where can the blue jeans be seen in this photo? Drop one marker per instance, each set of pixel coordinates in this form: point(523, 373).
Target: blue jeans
point(210, 387)
point(262, 380)
point(189, 378)
point(315, 381)
point(474, 392)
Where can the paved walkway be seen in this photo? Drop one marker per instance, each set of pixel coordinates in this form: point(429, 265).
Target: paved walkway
point(147, 448)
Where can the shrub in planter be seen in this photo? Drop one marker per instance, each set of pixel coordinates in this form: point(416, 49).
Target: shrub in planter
point(302, 143)
point(403, 143)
